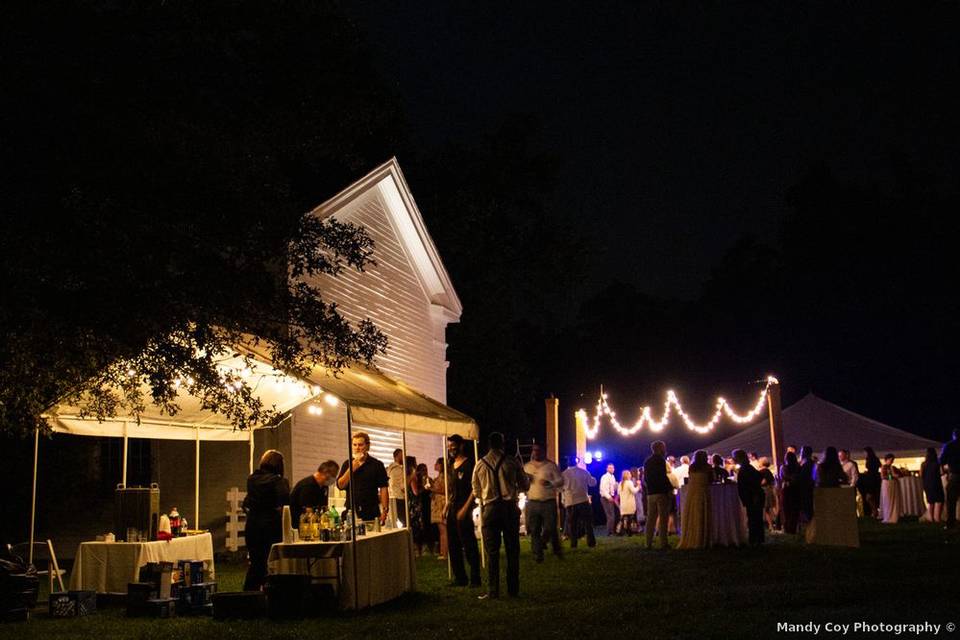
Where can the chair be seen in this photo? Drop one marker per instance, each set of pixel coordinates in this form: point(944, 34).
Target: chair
point(41, 551)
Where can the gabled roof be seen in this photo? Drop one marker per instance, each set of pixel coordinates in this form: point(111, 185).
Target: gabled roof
point(816, 422)
point(389, 181)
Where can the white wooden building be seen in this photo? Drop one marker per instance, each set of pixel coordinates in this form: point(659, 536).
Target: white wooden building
point(407, 294)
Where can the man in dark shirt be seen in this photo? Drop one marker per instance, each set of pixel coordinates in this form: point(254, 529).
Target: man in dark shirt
point(461, 539)
point(312, 491)
point(950, 458)
point(366, 477)
point(659, 493)
point(750, 489)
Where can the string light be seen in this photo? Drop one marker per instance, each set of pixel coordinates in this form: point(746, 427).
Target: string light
point(672, 404)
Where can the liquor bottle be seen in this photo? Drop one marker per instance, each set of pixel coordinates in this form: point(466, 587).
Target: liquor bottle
point(304, 528)
point(314, 524)
point(174, 523)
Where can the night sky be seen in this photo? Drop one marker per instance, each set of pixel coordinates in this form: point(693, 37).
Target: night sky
point(680, 129)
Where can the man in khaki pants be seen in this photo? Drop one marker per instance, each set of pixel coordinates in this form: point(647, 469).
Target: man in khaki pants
point(659, 493)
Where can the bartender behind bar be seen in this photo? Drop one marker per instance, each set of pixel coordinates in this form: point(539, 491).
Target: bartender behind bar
point(367, 477)
point(313, 490)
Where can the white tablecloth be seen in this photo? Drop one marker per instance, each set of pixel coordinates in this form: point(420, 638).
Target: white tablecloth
point(728, 518)
point(107, 567)
point(834, 518)
point(385, 566)
point(912, 502)
point(890, 501)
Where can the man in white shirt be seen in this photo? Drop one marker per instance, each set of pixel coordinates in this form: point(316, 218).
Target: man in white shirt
point(541, 509)
point(395, 488)
point(850, 468)
point(682, 470)
point(576, 500)
point(608, 494)
point(498, 480)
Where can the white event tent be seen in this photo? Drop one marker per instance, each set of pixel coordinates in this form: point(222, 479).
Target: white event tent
point(816, 422)
point(371, 399)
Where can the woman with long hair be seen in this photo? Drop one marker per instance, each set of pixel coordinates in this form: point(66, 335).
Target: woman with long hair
point(791, 491)
point(267, 492)
point(933, 485)
point(830, 473)
point(869, 484)
point(628, 503)
point(769, 484)
point(695, 513)
point(438, 500)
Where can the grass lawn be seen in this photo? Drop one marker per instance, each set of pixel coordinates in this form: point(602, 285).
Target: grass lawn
point(904, 573)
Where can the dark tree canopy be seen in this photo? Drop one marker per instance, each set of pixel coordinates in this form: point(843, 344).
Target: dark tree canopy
point(161, 158)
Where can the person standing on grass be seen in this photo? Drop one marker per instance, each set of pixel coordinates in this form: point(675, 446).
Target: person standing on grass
point(628, 503)
point(932, 485)
point(497, 482)
point(267, 492)
point(789, 493)
point(541, 508)
point(395, 489)
point(659, 493)
point(769, 484)
point(870, 484)
point(950, 459)
point(461, 539)
point(438, 499)
point(576, 501)
point(750, 489)
point(806, 484)
point(608, 497)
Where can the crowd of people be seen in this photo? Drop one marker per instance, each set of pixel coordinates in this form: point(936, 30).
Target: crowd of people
point(438, 509)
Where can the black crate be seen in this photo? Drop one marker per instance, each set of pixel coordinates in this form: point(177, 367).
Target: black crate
point(159, 574)
point(154, 608)
point(67, 604)
point(245, 605)
point(191, 571)
point(15, 615)
point(197, 594)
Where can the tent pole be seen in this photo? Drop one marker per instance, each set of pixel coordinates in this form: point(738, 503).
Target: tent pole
point(33, 499)
point(406, 477)
point(446, 500)
point(483, 552)
point(196, 486)
point(125, 449)
point(251, 451)
point(353, 511)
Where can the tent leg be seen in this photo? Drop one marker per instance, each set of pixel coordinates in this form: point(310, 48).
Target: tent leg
point(353, 511)
point(446, 500)
point(125, 450)
point(483, 552)
point(33, 499)
point(196, 486)
point(406, 480)
point(251, 451)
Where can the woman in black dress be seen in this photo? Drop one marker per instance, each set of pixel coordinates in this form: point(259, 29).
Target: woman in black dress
point(267, 492)
point(790, 491)
point(869, 484)
point(932, 485)
point(806, 482)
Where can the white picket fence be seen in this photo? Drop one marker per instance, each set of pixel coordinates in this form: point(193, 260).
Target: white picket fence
point(235, 518)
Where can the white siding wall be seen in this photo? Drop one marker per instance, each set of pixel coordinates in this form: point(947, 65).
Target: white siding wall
point(389, 293)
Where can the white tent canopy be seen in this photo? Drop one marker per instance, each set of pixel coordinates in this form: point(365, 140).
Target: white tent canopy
point(372, 399)
point(816, 422)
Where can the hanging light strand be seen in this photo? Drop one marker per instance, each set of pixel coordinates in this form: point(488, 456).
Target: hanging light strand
point(672, 403)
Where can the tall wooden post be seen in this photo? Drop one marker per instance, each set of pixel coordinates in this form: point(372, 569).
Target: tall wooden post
point(581, 437)
point(777, 448)
point(553, 429)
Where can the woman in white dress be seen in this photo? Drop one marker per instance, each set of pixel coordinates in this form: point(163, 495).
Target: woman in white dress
point(628, 503)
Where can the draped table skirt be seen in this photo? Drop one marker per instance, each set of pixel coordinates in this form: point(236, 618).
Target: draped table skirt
point(107, 567)
point(727, 524)
point(385, 566)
